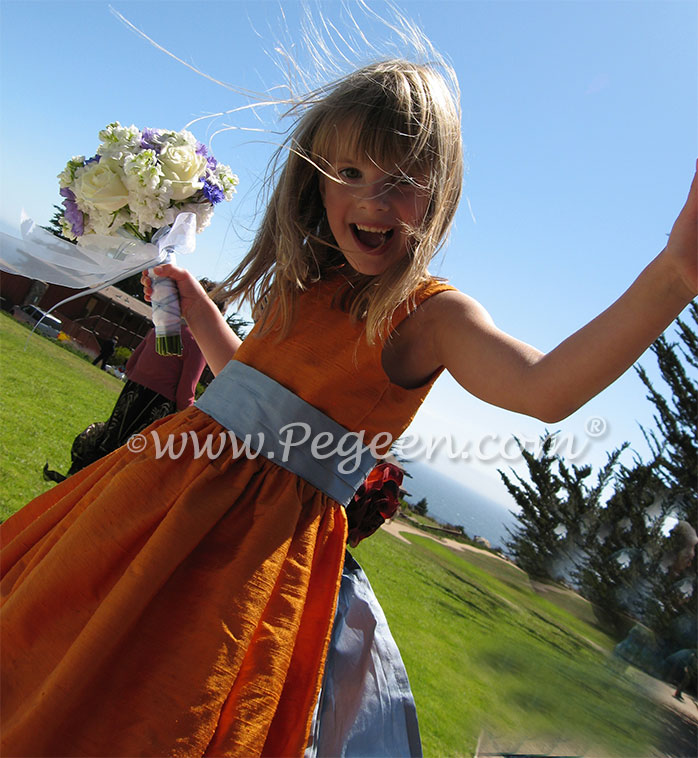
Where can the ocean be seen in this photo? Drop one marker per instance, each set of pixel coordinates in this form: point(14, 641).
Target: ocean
point(453, 503)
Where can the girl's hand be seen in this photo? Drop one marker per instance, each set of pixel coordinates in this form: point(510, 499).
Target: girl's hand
point(191, 293)
point(682, 247)
point(216, 339)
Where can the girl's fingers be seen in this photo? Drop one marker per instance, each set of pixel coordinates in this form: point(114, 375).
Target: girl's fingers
point(147, 286)
point(169, 270)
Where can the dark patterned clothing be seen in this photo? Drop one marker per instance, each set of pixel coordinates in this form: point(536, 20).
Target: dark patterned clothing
point(157, 386)
point(136, 408)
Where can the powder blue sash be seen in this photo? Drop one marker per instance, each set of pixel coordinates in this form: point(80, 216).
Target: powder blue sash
point(278, 424)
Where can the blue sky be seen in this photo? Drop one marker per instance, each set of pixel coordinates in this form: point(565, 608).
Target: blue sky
point(579, 123)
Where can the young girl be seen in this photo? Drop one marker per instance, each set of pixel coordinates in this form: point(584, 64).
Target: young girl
point(182, 606)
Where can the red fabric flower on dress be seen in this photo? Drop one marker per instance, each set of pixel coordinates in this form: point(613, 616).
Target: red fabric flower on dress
point(375, 502)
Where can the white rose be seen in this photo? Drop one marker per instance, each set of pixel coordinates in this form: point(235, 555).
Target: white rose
point(183, 168)
point(99, 186)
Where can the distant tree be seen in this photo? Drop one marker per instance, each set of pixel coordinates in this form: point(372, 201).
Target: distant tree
point(672, 606)
point(672, 609)
point(634, 569)
point(558, 511)
point(675, 443)
point(121, 356)
point(581, 508)
point(238, 324)
point(421, 508)
point(619, 554)
point(615, 574)
point(54, 225)
point(534, 543)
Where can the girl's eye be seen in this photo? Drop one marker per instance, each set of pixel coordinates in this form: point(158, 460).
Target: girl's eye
point(350, 173)
point(418, 181)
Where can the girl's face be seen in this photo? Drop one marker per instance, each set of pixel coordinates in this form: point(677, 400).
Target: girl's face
point(370, 211)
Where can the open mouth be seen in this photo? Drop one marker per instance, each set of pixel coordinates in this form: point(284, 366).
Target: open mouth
point(371, 237)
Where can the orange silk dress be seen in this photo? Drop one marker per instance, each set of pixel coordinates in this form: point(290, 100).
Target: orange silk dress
point(183, 607)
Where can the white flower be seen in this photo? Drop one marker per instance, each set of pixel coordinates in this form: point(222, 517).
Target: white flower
point(108, 223)
point(182, 138)
point(150, 211)
point(203, 212)
point(118, 141)
point(66, 228)
point(143, 179)
point(99, 186)
point(142, 172)
point(67, 176)
point(226, 180)
point(183, 167)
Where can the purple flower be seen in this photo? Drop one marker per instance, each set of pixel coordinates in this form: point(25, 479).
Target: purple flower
point(73, 215)
point(212, 192)
point(201, 148)
point(93, 159)
point(149, 139)
point(211, 163)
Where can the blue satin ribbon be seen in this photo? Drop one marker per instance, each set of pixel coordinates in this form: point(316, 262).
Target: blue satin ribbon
point(262, 412)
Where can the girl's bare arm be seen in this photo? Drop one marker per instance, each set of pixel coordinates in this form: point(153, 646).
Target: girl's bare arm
point(511, 374)
point(216, 339)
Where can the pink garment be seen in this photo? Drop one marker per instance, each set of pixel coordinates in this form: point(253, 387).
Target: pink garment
point(173, 376)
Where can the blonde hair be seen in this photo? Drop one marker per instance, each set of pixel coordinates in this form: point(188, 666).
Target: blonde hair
point(398, 113)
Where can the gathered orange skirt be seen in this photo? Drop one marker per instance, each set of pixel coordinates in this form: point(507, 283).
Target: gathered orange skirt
point(168, 607)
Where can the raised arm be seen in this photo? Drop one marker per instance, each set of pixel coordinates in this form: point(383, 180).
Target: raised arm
point(216, 339)
point(508, 373)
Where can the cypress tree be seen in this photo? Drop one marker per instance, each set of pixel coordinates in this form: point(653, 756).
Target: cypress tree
point(559, 511)
point(672, 608)
point(675, 443)
point(616, 574)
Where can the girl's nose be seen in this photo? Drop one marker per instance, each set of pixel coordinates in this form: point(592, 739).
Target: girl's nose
point(375, 196)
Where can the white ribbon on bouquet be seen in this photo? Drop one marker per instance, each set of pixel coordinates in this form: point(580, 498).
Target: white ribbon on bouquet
point(96, 261)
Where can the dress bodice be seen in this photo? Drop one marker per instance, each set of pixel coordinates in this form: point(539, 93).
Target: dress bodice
point(327, 361)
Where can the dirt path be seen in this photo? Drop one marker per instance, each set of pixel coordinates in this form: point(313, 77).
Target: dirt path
point(396, 528)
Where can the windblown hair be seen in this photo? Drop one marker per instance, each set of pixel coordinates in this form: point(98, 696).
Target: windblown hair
point(398, 114)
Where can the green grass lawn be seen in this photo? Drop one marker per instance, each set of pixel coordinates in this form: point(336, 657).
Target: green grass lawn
point(49, 395)
point(485, 652)
point(482, 649)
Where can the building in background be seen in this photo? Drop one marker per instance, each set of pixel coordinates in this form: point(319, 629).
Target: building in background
point(88, 320)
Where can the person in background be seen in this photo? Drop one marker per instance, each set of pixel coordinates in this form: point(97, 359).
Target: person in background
point(688, 675)
point(106, 351)
point(157, 386)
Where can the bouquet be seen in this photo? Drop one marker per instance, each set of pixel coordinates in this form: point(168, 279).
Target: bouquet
point(137, 185)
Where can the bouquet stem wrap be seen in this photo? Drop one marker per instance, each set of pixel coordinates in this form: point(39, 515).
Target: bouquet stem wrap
point(167, 315)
